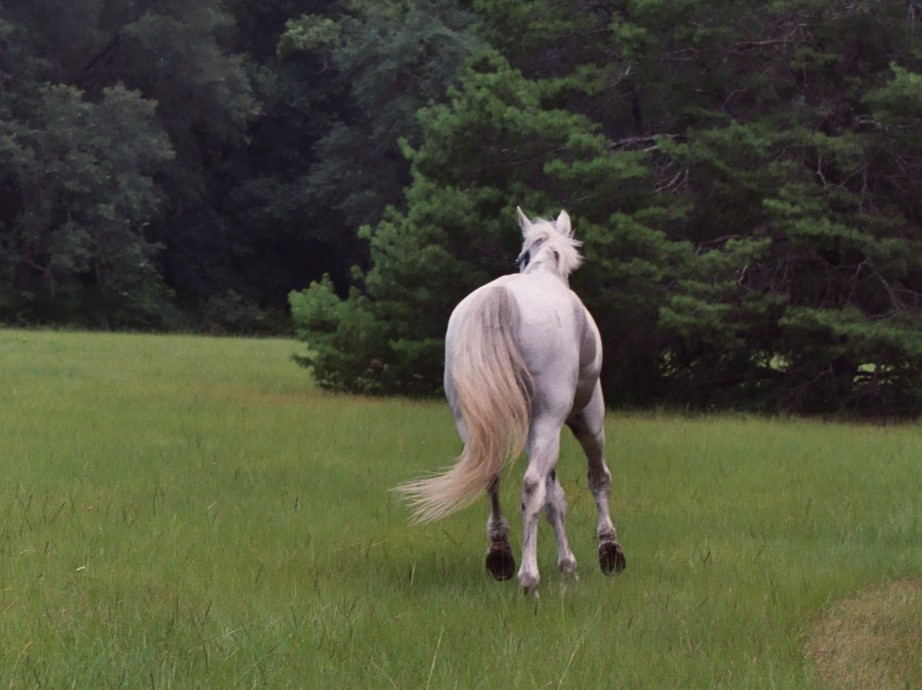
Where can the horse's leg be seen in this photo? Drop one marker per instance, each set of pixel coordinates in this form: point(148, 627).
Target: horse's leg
point(556, 510)
point(543, 447)
point(500, 562)
point(588, 426)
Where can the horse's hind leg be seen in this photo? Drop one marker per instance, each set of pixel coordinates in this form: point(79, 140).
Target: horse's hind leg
point(555, 508)
point(588, 427)
point(499, 562)
point(543, 448)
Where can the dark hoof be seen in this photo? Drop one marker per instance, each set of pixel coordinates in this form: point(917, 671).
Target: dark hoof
point(500, 562)
point(611, 557)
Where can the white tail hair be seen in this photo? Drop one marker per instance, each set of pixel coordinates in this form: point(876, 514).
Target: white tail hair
point(492, 388)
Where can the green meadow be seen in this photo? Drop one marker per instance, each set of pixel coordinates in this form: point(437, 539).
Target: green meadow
point(185, 512)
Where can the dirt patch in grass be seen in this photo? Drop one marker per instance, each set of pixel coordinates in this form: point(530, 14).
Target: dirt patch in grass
point(872, 641)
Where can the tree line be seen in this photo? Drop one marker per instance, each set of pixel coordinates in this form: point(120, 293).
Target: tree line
point(745, 178)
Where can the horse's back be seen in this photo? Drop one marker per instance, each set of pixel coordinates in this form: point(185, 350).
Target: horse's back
point(556, 336)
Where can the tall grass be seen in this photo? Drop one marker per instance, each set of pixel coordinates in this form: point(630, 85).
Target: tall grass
point(180, 512)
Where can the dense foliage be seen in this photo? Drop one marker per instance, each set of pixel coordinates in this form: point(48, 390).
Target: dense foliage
point(745, 178)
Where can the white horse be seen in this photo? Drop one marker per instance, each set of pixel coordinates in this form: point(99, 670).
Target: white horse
point(522, 358)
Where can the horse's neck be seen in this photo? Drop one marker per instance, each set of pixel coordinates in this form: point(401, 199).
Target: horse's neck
point(547, 266)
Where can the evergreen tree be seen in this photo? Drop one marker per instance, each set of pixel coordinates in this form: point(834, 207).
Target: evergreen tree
point(491, 143)
point(785, 170)
point(743, 178)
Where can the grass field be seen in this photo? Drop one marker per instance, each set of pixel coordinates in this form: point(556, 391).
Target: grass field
point(182, 512)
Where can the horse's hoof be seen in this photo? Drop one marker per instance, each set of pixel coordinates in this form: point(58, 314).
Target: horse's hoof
point(611, 557)
point(500, 563)
point(529, 584)
point(568, 567)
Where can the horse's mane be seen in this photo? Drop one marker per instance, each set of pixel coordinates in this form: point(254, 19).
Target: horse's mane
point(545, 233)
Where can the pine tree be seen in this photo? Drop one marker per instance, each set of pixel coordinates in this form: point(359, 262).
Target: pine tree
point(745, 179)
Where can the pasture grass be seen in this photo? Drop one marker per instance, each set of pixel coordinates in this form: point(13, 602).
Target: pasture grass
point(184, 512)
point(872, 641)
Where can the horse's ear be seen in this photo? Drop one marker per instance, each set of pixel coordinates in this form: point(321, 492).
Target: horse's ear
point(524, 223)
point(563, 224)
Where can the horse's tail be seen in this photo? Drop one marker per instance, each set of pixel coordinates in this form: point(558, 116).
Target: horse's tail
point(492, 388)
